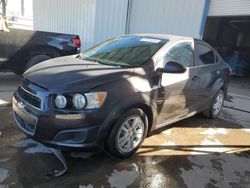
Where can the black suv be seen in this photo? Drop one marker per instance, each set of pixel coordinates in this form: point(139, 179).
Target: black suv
point(118, 92)
point(21, 49)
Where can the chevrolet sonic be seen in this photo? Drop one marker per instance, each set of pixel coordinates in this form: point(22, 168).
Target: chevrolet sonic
point(116, 93)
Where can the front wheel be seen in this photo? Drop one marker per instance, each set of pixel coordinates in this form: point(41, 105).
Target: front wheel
point(216, 105)
point(128, 133)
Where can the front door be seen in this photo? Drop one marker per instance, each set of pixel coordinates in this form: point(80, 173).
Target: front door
point(176, 93)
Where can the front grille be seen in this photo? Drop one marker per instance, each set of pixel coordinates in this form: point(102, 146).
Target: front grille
point(29, 98)
point(26, 127)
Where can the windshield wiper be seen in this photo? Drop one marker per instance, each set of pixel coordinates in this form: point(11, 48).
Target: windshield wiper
point(88, 59)
point(100, 61)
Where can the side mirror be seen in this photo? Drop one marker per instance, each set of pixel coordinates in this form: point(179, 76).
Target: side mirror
point(172, 67)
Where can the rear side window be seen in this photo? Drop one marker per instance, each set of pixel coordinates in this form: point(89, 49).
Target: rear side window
point(205, 55)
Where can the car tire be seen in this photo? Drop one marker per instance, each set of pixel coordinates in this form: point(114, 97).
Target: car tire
point(128, 133)
point(216, 105)
point(35, 60)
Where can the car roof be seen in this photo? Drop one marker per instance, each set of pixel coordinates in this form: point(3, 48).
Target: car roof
point(161, 36)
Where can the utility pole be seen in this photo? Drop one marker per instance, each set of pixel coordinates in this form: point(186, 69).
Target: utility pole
point(22, 7)
point(3, 3)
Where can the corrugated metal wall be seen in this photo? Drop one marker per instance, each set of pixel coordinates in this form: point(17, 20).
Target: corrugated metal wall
point(92, 20)
point(180, 17)
point(229, 8)
point(97, 20)
point(110, 19)
point(64, 16)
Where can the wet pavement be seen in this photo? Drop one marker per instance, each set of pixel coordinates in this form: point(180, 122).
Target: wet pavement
point(196, 152)
point(240, 85)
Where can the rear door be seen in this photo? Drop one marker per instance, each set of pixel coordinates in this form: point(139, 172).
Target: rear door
point(209, 72)
point(177, 92)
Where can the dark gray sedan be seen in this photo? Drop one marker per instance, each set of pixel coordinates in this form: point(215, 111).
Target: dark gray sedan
point(118, 92)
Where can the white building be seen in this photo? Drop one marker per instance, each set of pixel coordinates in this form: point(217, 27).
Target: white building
point(97, 20)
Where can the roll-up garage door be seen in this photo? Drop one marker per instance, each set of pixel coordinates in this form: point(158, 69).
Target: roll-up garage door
point(179, 17)
point(229, 8)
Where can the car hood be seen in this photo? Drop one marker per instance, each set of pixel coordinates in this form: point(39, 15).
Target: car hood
point(73, 73)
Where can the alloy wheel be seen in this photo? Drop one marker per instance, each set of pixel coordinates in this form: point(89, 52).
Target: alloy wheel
point(218, 104)
point(130, 134)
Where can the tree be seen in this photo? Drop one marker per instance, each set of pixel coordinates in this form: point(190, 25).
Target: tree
point(3, 4)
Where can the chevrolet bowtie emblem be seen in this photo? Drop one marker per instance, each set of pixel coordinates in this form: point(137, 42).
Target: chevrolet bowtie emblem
point(21, 105)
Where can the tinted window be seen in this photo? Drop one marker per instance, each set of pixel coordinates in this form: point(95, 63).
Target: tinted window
point(205, 54)
point(128, 51)
point(181, 53)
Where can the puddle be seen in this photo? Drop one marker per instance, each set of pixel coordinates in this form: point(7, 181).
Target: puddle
point(37, 149)
point(122, 179)
point(33, 146)
point(24, 143)
point(212, 171)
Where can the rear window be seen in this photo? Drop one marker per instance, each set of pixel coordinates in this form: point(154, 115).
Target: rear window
point(129, 51)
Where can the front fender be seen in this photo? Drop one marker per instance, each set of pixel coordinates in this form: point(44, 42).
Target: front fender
point(137, 100)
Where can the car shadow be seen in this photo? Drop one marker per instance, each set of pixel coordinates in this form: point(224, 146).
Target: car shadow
point(154, 165)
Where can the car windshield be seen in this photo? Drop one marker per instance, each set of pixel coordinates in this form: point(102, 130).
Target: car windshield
point(128, 52)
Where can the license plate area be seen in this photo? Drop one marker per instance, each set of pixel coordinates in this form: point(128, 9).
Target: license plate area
point(25, 121)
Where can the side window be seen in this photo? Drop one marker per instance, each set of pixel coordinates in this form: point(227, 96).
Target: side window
point(181, 53)
point(205, 55)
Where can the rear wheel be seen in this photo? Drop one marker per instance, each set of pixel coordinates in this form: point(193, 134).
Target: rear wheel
point(128, 133)
point(216, 105)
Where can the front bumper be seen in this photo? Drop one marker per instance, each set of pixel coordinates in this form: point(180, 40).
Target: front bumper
point(68, 131)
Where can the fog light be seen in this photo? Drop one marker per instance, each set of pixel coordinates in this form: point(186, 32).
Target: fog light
point(71, 137)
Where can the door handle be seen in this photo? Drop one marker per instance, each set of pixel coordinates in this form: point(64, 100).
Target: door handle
point(195, 77)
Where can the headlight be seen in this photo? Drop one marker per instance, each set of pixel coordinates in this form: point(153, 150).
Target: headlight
point(95, 100)
point(60, 101)
point(79, 101)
